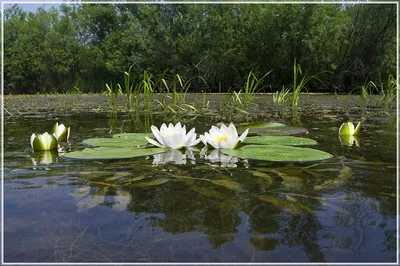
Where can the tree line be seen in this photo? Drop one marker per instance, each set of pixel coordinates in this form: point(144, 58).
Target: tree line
point(84, 46)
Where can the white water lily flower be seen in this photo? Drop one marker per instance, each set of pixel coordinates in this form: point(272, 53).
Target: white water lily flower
point(223, 137)
point(347, 129)
point(61, 132)
point(173, 137)
point(43, 142)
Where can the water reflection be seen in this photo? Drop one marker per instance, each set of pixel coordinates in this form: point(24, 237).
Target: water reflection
point(130, 211)
point(216, 156)
point(174, 157)
point(88, 197)
point(43, 158)
point(348, 140)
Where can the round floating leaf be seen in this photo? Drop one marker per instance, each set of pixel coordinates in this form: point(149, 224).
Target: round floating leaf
point(113, 153)
point(133, 136)
point(270, 128)
point(119, 140)
point(278, 153)
point(279, 140)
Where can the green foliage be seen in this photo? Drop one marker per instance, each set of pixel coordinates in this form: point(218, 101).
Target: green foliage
point(388, 90)
point(279, 153)
point(279, 140)
point(298, 87)
point(85, 46)
point(281, 96)
point(253, 86)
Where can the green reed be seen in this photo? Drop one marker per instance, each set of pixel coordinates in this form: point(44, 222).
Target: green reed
point(112, 93)
point(299, 86)
point(253, 85)
point(388, 90)
point(281, 96)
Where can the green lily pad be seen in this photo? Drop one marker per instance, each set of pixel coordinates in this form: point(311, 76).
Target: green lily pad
point(278, 153)
point(279, 140)
point(113, 153)
point(120, 140)
point(271, 128)
point(133, 136)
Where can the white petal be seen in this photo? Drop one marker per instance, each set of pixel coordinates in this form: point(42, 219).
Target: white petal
point(163, 127)
point(244, 135)
point(188, 138)
point(155, 143)
point(214, 130)
point(33, 136)
point(195, 142)
point(203, 139)
point(157, 135)
point(177, 141)
point(229, 143)
point(232, 130)
point(214, 144)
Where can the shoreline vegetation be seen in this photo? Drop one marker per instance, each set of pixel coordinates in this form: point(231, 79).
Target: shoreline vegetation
point(70, 104)
point(238, 49)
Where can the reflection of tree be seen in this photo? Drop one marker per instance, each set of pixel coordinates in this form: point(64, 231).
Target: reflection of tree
point(302, 231)
point(285, 205)
point(185, 210)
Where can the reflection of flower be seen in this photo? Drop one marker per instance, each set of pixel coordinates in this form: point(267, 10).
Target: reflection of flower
point(43, 142)
point(174, 137)
point(347, 129)
point(349, 140)
point(223, 137)
point(45, 157)
point(173, 156)
point(217, 156)
point(61, 132)
point(85, 200)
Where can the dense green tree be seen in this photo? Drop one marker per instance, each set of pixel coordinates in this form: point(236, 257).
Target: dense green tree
point(84, 46)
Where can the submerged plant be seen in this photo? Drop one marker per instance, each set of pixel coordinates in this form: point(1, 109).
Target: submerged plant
point(173, 137)
point(223, 137)
point(44, 142)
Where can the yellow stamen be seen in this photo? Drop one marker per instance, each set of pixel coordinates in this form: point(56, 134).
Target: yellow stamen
point(221, 138)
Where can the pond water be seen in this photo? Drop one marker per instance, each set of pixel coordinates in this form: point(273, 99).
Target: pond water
point(148, 210)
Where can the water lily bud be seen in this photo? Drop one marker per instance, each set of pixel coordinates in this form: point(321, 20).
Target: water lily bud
point(61, 132)
point(347, 129)
point(43, 142)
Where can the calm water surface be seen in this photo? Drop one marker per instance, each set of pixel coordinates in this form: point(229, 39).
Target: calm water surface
point(151, 210)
